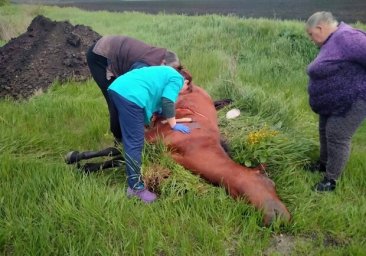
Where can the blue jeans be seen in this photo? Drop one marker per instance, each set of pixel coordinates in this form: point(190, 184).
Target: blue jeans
point(131, 120)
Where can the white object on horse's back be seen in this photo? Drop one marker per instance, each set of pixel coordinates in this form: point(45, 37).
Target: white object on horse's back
point(233, 113)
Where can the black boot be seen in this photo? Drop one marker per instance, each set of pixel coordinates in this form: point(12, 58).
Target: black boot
point(315, 167)
point(325, 185)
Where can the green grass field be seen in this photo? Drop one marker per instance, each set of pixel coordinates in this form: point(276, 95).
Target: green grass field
point(48, 208)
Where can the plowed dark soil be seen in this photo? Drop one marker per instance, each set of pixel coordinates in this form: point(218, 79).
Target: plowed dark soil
point(47, 51)
point(344, 10)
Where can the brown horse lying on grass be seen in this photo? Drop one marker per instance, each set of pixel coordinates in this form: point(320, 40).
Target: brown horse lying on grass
point(202, 153)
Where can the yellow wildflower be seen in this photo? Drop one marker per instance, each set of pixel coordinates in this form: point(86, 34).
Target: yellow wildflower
point(260, 135)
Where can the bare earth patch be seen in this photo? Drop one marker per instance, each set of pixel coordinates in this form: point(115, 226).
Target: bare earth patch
point(281, 244)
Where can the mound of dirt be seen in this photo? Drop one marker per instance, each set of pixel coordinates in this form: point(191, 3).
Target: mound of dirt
point(47, 51)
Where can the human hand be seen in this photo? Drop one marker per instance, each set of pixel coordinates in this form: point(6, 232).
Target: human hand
point(181, 128)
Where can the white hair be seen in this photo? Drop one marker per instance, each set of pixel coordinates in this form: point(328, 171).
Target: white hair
point(171, 59)
point(321, 17)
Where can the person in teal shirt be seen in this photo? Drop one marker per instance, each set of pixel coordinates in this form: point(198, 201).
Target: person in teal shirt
point(136, 96)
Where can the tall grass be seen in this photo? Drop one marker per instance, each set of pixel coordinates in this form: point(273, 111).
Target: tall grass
point(48, 208)
point(12, 24)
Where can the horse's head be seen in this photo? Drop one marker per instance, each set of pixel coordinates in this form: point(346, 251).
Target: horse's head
point(260, 190)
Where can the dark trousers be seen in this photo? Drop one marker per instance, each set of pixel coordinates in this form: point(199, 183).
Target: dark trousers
point(97, 66)
point(131, 119)
point(335, 134)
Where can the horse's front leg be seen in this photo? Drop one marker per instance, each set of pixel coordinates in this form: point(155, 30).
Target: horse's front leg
point(94, 167)
point(75, 156)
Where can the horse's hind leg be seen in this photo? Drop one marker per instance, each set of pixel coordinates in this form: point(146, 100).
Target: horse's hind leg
point(94, 167)
point(75, 156)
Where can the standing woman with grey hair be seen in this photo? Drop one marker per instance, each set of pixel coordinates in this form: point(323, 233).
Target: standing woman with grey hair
point(113, 56)
point(337, 91)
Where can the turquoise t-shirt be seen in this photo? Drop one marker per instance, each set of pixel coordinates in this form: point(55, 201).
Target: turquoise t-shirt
point(146, 86)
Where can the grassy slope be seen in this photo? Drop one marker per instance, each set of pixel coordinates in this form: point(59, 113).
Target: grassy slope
point(47, 208)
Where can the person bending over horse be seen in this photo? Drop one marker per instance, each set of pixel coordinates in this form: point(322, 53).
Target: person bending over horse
point(135, 97)
point(112, 56)
point(337, 91)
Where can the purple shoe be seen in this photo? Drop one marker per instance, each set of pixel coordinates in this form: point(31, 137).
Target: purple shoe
point(145, 195)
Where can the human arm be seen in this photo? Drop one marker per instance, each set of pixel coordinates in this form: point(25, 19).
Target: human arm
point(170, 93)
point(168, 111)
point(167, 108)
point(354, 47)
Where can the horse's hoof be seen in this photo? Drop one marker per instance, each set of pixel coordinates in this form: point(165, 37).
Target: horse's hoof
point(72, 157)
point(274, 210)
